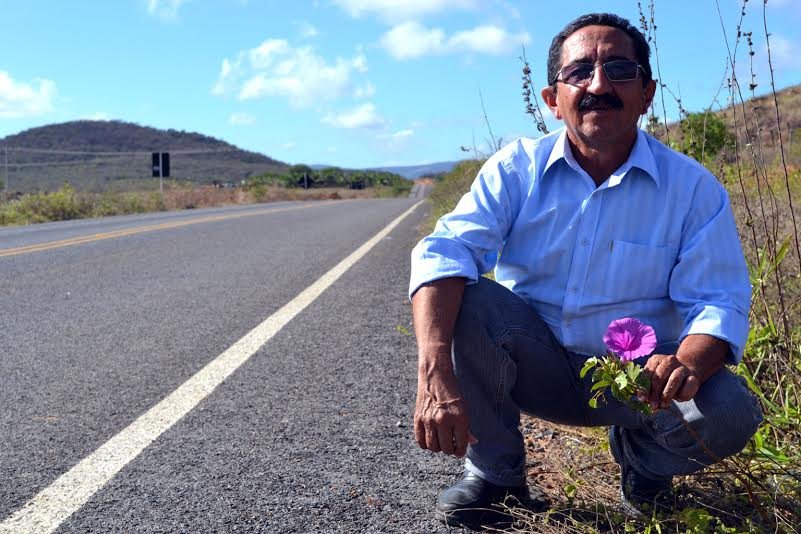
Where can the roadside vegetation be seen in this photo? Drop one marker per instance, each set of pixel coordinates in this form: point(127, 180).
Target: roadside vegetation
point(298, 183)
point(753, 145)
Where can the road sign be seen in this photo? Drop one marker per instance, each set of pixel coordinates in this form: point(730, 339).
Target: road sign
point(161, 164)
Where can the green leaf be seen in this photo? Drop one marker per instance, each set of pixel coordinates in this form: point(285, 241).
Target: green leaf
point(622, 381)
point(633, 371)
point(593, 402)
point(589, 364)
point(773, 454)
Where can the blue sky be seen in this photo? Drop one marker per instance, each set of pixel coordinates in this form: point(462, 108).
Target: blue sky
point(354, 83)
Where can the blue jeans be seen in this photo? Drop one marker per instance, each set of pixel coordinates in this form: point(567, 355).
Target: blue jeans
point(508, 361)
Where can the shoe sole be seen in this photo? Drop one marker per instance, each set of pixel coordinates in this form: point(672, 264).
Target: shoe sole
point(451, 519)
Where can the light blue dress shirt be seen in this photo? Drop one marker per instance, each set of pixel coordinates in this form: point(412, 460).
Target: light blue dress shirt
point(656, 241)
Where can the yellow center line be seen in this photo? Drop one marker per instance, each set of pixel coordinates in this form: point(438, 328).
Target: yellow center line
point(140, 230)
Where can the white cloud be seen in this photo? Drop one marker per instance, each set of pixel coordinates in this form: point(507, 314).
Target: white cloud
point(164, 9)
point(18, 99)
point(360, 63)
point(399, 10)
point(783, 53)
point(307, 31)
point(412, 39)
point(402, 134)
point(263, 56)
point(364, 91)
point(487, 40)
point(98, 116)
point(288, 145)
point(276, 69)
point(241, 119)
point(398, 141)
point(225, 79)
point(364, 116)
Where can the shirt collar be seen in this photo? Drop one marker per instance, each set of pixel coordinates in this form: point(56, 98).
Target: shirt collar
point(640, 157)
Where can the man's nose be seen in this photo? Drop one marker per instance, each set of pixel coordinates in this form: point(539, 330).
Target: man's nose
point(599, 83)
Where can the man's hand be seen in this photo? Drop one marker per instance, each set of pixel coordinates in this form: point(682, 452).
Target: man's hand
point(679, 377)
point(670, 379)
point(441, 423)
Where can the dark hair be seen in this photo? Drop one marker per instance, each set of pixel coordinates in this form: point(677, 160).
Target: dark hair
point(641, 49)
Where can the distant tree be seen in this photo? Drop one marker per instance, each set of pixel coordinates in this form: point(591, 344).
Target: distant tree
point(300, 173)
point(332, 177)
point(704, 135)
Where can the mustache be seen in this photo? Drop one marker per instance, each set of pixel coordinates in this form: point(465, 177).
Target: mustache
point(605, 101)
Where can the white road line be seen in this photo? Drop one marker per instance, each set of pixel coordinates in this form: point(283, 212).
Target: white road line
point(54, 504)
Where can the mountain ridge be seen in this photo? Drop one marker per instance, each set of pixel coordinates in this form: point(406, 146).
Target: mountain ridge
point(410, 172)
point(115, 155)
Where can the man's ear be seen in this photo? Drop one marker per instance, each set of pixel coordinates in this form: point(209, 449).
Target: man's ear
point(548, 94)
point(648, 96)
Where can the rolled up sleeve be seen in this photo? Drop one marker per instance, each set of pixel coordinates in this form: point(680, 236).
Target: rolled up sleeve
point(465, 242)
point(710, 282)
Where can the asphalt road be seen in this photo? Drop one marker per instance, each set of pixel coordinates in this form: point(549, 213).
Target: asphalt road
point(311, 434)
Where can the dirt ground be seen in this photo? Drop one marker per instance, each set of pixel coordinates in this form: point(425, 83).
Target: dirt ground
point(574, 470)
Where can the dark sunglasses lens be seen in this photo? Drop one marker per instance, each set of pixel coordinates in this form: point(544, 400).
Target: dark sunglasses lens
point(578, 73)
point(618, 71)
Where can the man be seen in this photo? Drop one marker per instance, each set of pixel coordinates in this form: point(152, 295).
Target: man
point(589, 224)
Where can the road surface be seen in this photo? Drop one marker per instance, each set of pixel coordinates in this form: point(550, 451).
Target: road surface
point(133, 399)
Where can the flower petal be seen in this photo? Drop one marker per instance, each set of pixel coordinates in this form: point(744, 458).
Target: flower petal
point(629, 338)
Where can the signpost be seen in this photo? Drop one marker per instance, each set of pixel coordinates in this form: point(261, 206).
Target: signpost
point(161, 167)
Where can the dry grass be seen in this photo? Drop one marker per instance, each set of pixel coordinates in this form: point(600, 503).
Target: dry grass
point(576, 472)
point(66, 203)
point(209, 196)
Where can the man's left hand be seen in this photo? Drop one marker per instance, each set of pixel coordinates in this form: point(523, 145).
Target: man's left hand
point(670, 380)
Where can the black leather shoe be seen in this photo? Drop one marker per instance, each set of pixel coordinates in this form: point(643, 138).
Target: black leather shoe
point(639, 495)
point(474, 503)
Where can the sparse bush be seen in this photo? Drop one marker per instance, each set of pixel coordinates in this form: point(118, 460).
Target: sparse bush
point(259, 191)
point(704, 135)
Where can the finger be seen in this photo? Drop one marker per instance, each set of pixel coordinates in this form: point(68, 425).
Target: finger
point(432, 442)
point(658, 380)
point(672, 386)
point(419, 433)
point(688, 389)
point(445, 435)
point(461, 436)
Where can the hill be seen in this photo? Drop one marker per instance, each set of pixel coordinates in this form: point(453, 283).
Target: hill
point(762, 122)
point(418, 171)
point(410, 172)
point(116, 155)
point(755, 122)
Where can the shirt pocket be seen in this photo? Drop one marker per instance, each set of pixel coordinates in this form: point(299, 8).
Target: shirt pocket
point(635, 271)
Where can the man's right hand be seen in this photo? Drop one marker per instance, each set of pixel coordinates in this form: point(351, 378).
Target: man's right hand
point(441, 423)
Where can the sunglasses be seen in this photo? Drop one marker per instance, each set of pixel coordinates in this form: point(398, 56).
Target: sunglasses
point(619, 70)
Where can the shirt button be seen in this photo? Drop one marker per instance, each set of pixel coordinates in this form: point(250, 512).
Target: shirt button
point(573, 289)
point(585, 242)
point(568, 324)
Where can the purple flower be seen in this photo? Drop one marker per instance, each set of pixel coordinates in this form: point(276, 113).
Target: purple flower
point(629, 338)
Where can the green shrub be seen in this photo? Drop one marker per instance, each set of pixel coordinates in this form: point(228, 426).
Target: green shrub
point(703, 136)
